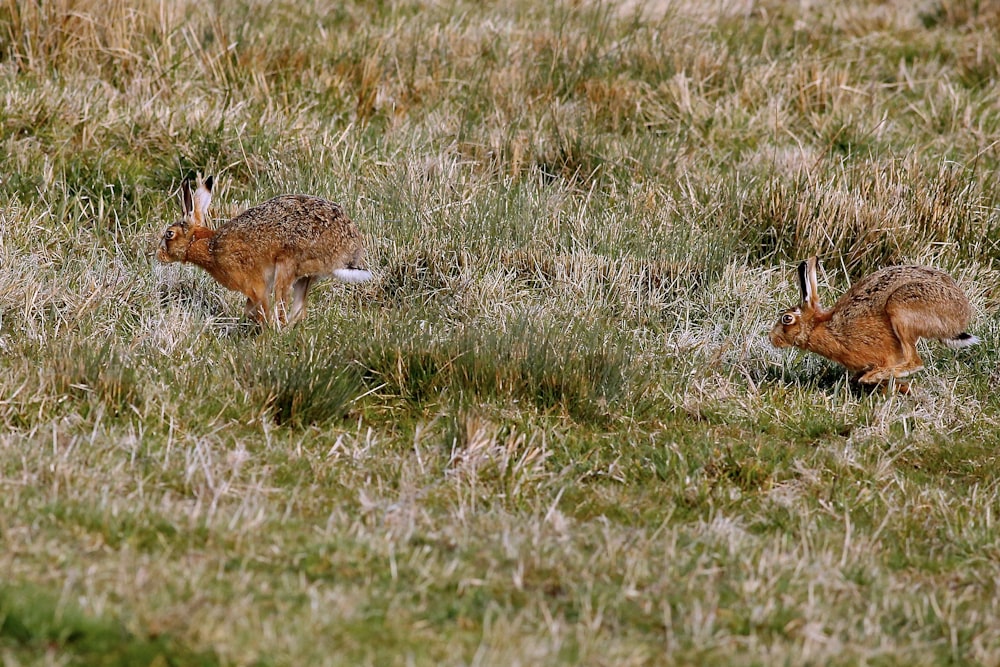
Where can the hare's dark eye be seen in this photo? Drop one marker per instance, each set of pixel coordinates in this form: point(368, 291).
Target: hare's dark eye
point(169, 234)
point(787, 319)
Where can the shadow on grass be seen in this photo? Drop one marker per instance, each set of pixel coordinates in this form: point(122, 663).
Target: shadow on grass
point(825, 377)
point(311, 377)
point(551, 366)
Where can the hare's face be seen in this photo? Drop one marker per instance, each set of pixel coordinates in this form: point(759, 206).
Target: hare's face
point(787, 328)
point(174, 243)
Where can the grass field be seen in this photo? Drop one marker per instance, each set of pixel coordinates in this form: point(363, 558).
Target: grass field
point(551, 430)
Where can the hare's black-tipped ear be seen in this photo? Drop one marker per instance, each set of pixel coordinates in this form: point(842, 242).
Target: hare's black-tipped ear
point(807, 283)
point(202, 198)
point(187, 201)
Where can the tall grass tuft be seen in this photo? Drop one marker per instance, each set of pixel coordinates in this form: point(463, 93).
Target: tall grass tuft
point(871, 214)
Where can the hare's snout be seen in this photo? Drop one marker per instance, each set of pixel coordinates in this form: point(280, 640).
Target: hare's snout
point(777, 337)
point(161, 253)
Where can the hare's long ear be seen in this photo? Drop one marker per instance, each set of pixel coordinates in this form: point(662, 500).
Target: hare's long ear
point(202, 198)
point(187, 202)
point(807, 283)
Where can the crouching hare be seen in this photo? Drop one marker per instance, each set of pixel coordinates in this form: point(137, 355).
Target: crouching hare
point(277, 247)
point(873, 328)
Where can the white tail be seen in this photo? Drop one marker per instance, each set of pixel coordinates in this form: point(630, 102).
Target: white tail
point(961, 340)
point(352, 275)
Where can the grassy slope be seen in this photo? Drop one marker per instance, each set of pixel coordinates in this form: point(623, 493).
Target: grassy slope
point(551, 430)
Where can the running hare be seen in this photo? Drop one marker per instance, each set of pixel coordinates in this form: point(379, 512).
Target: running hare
point(279, 246)
point(874, 327)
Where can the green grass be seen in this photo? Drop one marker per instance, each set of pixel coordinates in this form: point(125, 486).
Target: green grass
point(551, 430)
point(33, 623)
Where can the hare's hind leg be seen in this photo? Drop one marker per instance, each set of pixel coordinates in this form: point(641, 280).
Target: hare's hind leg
point(906, 324)
point(898, 355)
point(913, 361)
point(908, 362)
point(903, 363)
point(876, 375)
point(300, 291)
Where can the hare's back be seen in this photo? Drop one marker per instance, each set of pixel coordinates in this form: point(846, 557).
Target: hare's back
point(291, 221)
point(921, 286)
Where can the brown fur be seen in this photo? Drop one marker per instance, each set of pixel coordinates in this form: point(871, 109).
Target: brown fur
point(276, 247)
point(873, 328)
